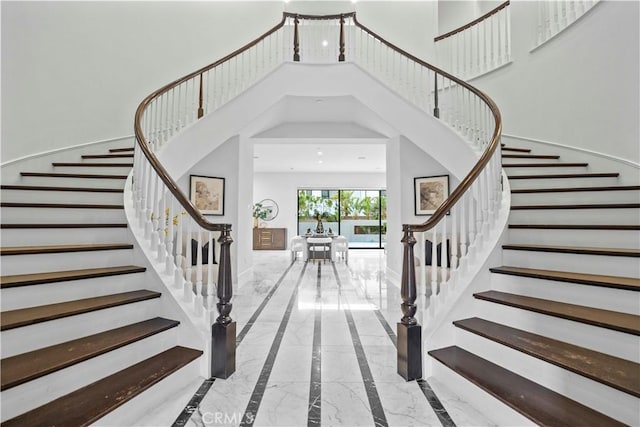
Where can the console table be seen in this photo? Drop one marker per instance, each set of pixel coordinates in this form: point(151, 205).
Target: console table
point(269, 238)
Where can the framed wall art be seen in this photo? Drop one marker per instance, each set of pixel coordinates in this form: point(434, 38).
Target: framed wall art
point(429, 193)
point(207, 194)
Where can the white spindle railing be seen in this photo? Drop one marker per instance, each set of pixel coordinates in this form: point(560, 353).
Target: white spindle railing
point(555, 16)
point(171, 222)
point(477, 47)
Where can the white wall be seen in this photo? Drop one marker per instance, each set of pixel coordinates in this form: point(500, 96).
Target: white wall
point(580, 89)
point(74, 72)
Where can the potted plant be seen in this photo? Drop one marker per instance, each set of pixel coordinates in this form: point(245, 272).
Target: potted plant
point(259, 213)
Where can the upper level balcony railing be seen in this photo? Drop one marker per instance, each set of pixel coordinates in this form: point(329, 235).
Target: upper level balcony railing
point(168, 215)
point(480, 46)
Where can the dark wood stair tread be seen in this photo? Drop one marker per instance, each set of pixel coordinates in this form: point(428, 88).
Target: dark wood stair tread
point(120, 150)
point(51, 188)
point(108, 156)
point(530, 156)
point(58, 205)
point(541, 405)
point(580, 206)
point(90, 403)
point(615, 372)
point(622, 322)
point(51, 249)
point(32, 315)
point(65, 276)
point(80, 164)
point(72, 175)
point(610, 227)
point(96, 225)
point(567, 175)
point(25, 367)
point(575, 189)
point(633, 253)
point(544, 165)
point(516, 149)
point(617, 282)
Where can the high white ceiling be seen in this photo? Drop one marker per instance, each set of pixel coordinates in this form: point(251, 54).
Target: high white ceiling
point(320, 134)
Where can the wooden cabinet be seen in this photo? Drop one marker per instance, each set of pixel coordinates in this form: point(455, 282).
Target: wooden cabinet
point(269, 238)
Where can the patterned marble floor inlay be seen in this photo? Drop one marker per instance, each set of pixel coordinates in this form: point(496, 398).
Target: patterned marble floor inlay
point(317, 348)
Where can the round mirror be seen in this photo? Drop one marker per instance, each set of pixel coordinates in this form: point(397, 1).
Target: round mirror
point(271, 207)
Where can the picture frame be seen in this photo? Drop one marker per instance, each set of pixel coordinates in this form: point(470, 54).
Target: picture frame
point(429, 193)
point(207, 194)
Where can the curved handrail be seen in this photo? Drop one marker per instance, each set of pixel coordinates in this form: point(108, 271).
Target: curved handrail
point(484, 159)
point(153, 160)
point(472, 23)
point(319, 17)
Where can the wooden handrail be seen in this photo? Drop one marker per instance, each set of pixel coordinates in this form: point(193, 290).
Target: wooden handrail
point(482, 162)
point(319, 17)
point(474, 22)
point(153, 160)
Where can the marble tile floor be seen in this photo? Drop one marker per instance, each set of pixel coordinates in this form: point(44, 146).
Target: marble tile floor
point(316, 346)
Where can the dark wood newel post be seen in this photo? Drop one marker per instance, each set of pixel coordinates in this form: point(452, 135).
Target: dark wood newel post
point(436, 110)
point(223, 331)
point(409, 331)
point(296, 40)
point(341, 56)
point(200, 109)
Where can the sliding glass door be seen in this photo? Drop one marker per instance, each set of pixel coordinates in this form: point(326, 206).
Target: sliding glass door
point(359, 215)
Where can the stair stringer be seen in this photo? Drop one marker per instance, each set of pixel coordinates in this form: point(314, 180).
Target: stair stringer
point(473, 275)
point(196, 331)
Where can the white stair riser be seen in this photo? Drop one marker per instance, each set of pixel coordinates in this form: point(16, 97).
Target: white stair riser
point(602, 398)
point(500, 413)
point(620, 300)
point(604, 340)
point(50, 293)
point(72, 182)
point(40, 263)
point(63, 236)
point(35, 393)
point(152, 399)
point(24, 215)
point(581, 197)
point(561, 182)
point(623, 239)
point(508, 160)
point(542, 170)
point(27, 338)
point(106, 170)
point(575, 216)
point(38, 196)
point(107, 159)
point(590, 264)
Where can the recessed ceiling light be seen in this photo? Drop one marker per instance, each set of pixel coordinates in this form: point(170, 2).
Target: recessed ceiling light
point(325, 43)
point(319, 153)
point(319, 162)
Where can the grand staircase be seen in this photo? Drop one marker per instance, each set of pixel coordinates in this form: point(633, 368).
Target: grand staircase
point(555, 338)
point(81, 334)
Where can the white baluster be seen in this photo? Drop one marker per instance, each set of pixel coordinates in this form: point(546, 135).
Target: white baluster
point(169, 263)
point(199, 259)
point(187, 293)
point(162, 226)
point(464, 220)
point(434, 264)
point(444, 261)
point(155, 214)
point(178, 278)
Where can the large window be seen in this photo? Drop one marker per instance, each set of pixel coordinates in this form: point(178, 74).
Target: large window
point(359, 215)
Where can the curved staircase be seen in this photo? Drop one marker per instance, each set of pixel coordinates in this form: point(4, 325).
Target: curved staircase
point(555, 339)
point(81, 335)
